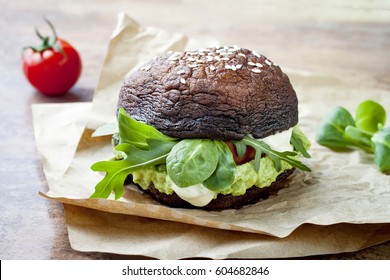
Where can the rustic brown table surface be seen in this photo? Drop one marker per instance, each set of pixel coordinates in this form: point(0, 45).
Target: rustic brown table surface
point(344, 38)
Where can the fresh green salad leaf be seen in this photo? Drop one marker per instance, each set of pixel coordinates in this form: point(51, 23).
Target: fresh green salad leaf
point(136, 158)
point(136, 133)
point(332, 128)
point(277, 157)
point(381, 141)
point(298, 144)
point(359, 138)
point(370, 116)
point(224, 174)
point(340, 130)
point(142, 145)
point(107, 129)
point(191, 161)
point(240, 148)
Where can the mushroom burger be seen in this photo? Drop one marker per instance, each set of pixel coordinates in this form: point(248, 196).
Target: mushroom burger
point(213, 128)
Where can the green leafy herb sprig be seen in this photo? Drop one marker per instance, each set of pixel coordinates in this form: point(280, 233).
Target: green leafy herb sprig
point(188, 161)
point(142, 145)
point(366, 131)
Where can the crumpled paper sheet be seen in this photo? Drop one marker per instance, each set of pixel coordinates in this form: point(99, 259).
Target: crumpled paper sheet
point(343, 187)
point(93, 230)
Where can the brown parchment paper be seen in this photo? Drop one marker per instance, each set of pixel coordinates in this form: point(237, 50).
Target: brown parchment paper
point(92, 230)
point(98, 231)
point(344, 188)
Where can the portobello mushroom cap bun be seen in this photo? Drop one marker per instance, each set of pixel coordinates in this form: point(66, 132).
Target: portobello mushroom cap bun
point(230, 96)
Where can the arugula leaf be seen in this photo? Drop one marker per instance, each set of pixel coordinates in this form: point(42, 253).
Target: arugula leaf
point(240, 148)
point(225, 172)
point(277, 157)
point(136, 133)
point(191, 161)
point(298, 145)
point(370, 116)
point(381, 141)
point(136, 158)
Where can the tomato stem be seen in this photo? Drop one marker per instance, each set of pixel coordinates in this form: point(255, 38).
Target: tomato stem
point(38, 34)
point(51, 27)
point(46, 41)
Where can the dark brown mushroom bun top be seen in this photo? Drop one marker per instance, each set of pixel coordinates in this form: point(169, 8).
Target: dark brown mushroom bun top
point(214, 93)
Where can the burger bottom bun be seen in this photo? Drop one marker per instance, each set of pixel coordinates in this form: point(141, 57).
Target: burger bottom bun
point(251, 196)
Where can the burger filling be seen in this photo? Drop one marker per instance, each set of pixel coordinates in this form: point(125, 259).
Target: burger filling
point(197, 170)
point(245, 177)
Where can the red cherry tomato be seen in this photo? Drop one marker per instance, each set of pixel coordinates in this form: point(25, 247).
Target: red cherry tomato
point(248, 156)
point(52, 67)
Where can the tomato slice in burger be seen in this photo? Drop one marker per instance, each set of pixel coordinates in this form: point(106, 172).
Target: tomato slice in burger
point(248, 156)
